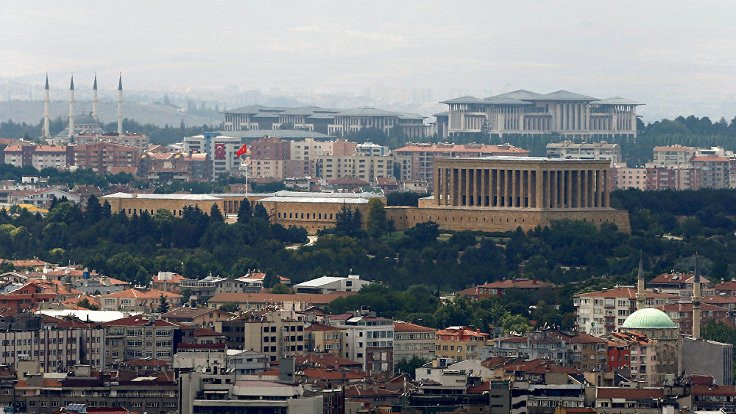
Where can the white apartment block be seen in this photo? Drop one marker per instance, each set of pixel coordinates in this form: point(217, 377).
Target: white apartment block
point(602, 312)
point(585, 151)
point(220, 149)
point(672, 155)
point(364, 167)
point(368, 340)
point(626, 177)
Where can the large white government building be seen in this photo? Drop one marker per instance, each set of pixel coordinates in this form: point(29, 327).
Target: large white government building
point(530, 113)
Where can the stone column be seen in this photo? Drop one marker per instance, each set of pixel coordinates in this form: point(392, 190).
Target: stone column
point(597, 201)
point(486, 185)
point(607, 187)
point(467, 186)
point(437, 177)
point(510, 188)
point(578, 193)
point(553, 189)
point(454, 186)
point(479, 197)
point(537, 189)
point(444, 189)
point(497, 187)
point(569, 188)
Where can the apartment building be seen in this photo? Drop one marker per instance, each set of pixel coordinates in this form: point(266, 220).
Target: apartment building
point(136, 337)
point(129, 139)
point(416, 160)
point(602, 312)
point(276, 333)
point(672, 155)
point(363, 167)
point(137, 300)
point(585, 151)
point(625, 177)
point(220, 151)
point(322, 338)
point(39, 156)
point(459, 343)
point(55, 344)
point(412, 340)
point(107, 157)
point(369, 340)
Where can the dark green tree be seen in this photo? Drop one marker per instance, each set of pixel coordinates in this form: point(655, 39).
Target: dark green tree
point(245, 212)
point(216, 215)
point(163, 305)
point(376, 224)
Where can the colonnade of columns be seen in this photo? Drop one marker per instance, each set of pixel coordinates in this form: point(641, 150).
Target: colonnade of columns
point(522, 187)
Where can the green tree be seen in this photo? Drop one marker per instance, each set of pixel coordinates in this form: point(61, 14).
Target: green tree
point(376, 222)
point(163, 305)
point(84, 303)
point(216, 215)
point(409, 366)
point(281, 289)
point(245, 212)
point(260, 212)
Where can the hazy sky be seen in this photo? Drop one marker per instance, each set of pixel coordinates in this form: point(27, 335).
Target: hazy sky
point(677, 56)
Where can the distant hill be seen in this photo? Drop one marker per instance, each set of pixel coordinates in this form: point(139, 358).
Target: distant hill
point(157, 114)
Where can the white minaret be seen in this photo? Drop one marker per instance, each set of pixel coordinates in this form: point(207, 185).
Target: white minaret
point(95, 114)
point(71, 108)
point(641, 297)
point(120, 105)
point(46, 101)
point(696, 299)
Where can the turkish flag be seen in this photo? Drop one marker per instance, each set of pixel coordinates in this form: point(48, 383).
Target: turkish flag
point(242, 151)
point(219, 151)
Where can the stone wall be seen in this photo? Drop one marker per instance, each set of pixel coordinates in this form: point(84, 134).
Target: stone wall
point(499, 220)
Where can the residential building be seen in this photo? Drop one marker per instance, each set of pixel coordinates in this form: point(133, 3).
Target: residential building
point(220, 151)
point(680, 284)
point(459, 343)
point(602, 312)
point(714, 170)
point(363, 167)
point(54, 344)
point(323, 338)
point(416, 160)
point(498, 288)
point(625, 177)
point(705, 357)
point(412, 340)
point(369, 340)
point(39, 156)
point(672, 155)
point(369, 148)
point(585, 151)
point(138, 337)
point(209, 391)
point(627, 400)
point(274, 332)
point(201, 317)
point(47, 393)
point(138, 300)
point(681, 314)
point(530, 113)
point(107, 157)
point(129, 139)
point(327, 284)
point(258, 301)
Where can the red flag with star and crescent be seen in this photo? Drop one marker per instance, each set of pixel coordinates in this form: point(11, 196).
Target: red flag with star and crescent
point(242, 151)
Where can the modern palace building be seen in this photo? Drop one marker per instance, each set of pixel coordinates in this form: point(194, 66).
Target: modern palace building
point(333, 122)
point(529, 113)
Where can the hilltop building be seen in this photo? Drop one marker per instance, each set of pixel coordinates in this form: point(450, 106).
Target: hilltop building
point(530, 113)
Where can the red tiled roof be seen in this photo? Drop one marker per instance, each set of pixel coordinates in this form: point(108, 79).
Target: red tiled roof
point(719, 299)
point(276, 298)
point(700, 158)
point(728, 285)
point(516, 284)
point(138, 320)
point(329, 374)
point(400, 326)
point(629, 393)
point(688, 307)
point(667, 278)
point(141, 294)
point(326, 361)
point(625, 292)
point(714, 390)
point(319, 327)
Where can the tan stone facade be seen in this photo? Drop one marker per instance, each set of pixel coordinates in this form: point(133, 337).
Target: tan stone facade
point(503, 193)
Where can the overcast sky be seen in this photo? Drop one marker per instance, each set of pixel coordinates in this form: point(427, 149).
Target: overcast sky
point(677, 56)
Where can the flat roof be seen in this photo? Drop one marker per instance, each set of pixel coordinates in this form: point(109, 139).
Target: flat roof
point(146, 196)
point(522, 159)
point(277, 199)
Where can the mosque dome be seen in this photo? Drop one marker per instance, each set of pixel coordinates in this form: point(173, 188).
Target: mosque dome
point(648, 318)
